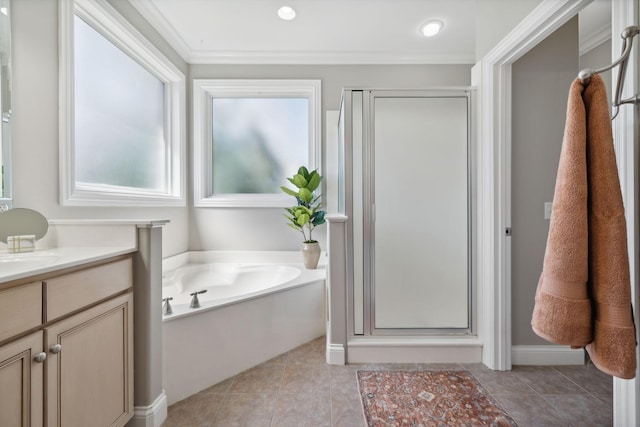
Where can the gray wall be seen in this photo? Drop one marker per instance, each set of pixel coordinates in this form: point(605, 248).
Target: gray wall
point(266, 229)
point(599, 57)
point(541, 81)
point(35, 121)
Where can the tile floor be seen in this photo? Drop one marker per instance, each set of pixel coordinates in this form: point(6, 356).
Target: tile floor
point(298, 389)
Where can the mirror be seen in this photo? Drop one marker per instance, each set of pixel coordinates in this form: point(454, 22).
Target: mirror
point(22, 221)
point(5, 100)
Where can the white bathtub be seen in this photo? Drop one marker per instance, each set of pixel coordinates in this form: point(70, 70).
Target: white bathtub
point(257, 305)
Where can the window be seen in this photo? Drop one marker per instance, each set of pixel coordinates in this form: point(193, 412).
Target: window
point(249, 136)
point(122, 124)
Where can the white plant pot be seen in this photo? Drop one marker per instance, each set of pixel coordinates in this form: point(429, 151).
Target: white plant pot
point(310, 255)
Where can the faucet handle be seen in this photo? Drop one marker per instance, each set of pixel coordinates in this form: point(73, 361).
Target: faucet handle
point(166, 307)
point(195, 303)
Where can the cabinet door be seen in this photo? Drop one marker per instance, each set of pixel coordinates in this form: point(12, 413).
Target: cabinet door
point(21, 382)
point(90, 366)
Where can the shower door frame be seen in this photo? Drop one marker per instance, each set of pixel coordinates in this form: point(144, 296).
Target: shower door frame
point(367, 177)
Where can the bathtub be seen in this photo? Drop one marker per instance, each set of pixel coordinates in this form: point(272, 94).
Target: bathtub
point(256, 305)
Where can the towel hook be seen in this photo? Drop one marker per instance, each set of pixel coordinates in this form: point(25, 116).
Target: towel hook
point(627, 43)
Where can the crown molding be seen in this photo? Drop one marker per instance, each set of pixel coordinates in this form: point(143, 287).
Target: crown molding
point(266, 57)
point(590, 41)
point(152, 14)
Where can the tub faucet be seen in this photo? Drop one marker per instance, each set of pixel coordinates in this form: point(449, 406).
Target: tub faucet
point(166, 307)
point(195, 303)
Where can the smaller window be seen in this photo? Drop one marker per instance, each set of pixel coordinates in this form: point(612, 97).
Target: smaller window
point(249, 135)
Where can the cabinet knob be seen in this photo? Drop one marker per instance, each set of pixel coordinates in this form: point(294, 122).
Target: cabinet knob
point(40, 357)
point(55, 349)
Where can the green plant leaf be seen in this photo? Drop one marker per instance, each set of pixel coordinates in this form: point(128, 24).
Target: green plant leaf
point(304, 172)
point(318, 218)
point(293, 223)
point(306, 215)
point(314, 181)
point(305, 195)
point(303, 219)
point(289, 191)
point(295, 226)
point(299, 181)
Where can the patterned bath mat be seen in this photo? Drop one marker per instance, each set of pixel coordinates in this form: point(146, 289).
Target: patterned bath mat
point(428, 399)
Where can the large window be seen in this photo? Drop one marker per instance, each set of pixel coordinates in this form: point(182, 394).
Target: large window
point(249, 135)
point(122, 125)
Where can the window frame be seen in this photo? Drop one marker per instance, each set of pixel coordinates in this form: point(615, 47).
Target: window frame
point(204, 90)
point(103, 18)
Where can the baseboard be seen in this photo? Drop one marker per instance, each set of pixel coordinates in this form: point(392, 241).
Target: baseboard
point(150, 416)
point(546, 355)
point(336, 354)
point(400, 349)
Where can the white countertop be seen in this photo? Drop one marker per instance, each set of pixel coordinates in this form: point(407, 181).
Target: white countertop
point(21, 265)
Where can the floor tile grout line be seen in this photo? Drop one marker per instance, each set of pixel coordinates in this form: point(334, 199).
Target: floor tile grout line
point(275, 407)
point(495, 398)
point(570, 380)
point(224, 400)
point(536, 393)
point(330, 398)
point(555, 410)
point(587, 392)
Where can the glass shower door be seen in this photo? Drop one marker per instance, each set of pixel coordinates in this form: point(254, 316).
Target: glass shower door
point(418, 255)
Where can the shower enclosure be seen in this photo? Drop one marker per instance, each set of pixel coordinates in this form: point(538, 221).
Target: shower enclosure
point(405, 185)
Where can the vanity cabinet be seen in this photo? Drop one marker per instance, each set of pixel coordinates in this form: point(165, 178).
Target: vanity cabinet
point(75, 364)
point(21, 381)
point(89, 366)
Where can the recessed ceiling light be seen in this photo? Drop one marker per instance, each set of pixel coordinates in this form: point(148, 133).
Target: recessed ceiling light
point(287, 13)
point(431, 28)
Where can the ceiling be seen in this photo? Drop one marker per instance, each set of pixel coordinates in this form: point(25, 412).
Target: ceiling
point(324, 31)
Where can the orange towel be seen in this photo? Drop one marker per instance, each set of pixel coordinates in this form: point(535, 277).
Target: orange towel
point(584, 295)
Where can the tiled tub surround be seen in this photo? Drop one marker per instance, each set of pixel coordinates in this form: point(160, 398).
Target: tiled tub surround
point(224, 337)
point(298, 389)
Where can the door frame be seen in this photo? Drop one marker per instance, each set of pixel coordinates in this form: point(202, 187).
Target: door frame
point(493, 75)
point(626, 135)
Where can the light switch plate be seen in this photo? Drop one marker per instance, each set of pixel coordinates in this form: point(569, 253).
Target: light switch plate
point(548, 206)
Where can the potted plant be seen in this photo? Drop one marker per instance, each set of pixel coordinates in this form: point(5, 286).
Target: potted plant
point(306, 214)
